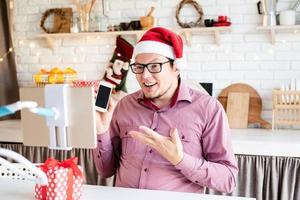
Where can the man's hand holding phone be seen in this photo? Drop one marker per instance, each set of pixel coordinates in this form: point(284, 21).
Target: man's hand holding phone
point(103, 118)
point(104, 106)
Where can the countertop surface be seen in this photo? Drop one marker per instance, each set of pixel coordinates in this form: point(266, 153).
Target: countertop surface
point(245, 141)
point(266, 142)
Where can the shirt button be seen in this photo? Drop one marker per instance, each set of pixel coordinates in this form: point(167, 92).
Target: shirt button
point(145, 169)
point(182, 137)
point(126, 133)
point(150, 151)
point(99, 140)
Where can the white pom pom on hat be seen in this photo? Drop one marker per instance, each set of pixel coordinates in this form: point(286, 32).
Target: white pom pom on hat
point(164, 42)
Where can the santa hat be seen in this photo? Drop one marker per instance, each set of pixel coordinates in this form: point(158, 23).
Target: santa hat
point(164, 42)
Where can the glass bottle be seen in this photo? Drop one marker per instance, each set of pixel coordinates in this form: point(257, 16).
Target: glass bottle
point(75, 24)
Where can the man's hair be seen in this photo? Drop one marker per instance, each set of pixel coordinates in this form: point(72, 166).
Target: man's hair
point(171, 61)
point(172, 64)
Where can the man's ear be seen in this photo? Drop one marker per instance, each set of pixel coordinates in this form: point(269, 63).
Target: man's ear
point(175, 68)
point(177, 71)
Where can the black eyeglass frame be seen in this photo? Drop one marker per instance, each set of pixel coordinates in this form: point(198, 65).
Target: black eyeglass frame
point(146, 66)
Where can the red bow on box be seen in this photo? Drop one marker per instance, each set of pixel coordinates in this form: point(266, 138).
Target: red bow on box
point(71, 164)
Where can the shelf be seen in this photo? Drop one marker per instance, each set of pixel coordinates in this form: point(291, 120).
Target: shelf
point(50, 38)
point(275, 29)
point(216, 31)
point(186, 32)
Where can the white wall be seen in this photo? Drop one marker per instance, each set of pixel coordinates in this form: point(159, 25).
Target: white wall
point(245, 55)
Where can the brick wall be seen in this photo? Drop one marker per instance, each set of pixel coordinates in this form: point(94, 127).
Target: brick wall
point(245, 55)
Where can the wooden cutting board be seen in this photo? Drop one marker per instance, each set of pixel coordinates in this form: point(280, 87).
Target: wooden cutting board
point(238, 109)
point(255, 102)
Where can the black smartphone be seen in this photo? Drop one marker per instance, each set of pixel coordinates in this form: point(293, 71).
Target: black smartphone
point(103, 96)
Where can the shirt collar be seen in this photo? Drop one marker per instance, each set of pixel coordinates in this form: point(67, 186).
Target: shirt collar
point(181, 94)
point(184, 93)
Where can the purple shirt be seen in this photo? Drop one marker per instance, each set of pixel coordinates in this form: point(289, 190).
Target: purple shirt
point(202, 125)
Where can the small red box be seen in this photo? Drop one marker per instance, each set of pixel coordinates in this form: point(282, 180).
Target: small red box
point(65, 180)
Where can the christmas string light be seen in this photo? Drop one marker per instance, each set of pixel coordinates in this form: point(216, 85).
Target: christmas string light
point(5, 54)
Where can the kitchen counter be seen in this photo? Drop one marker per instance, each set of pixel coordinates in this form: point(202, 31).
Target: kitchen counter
point(244, 141)
point(266, 142)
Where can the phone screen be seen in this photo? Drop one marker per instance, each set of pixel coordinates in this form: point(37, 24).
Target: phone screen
point(103, 96)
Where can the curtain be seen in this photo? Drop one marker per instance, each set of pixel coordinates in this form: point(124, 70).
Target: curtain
point(9, 90)
point(267, 178)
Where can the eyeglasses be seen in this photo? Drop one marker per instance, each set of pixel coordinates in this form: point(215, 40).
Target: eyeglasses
point(138, 68)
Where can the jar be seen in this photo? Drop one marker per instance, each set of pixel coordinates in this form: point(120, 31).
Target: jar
point(75, 24)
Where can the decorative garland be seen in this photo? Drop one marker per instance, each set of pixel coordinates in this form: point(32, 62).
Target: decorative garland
point(198, 9)
point(55, 11)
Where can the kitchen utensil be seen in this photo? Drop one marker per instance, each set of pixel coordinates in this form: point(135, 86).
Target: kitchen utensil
point(222, 23)
point(151, 11)
point(223, 18)
point(148, 20)
point(255, 105)
point(267, 8)
point(295, 5)
point(238, 109)
point(286, 107)
point(209, 22)
point(287, 17)
point(84, 11)
point(135, 25)
point(124, 26)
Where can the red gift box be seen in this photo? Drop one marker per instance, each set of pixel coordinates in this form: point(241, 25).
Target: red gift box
point(65, 180)
point(81, 83)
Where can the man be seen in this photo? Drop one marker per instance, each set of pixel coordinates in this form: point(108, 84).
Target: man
point(165, 136)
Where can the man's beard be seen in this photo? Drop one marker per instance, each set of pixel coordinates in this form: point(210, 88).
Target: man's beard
point(160, 95)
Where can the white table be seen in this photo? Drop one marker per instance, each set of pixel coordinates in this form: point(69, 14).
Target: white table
point(23, 190)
